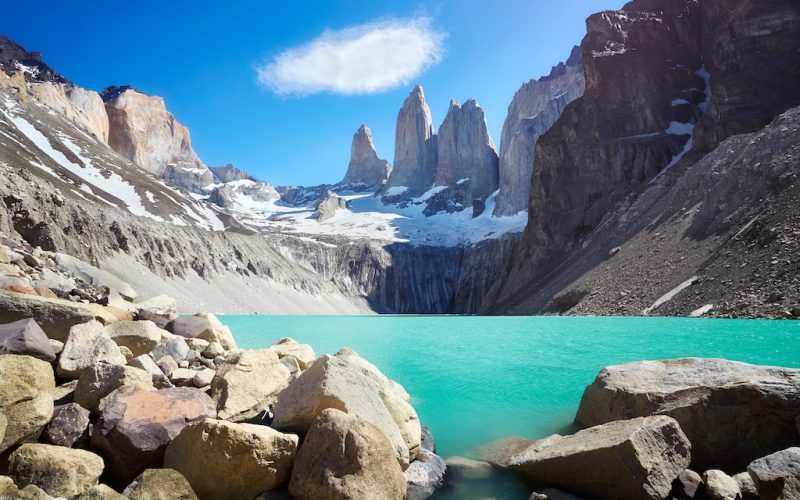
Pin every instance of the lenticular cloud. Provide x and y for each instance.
(363, 59)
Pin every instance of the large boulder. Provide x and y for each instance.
(26, 396)
(424, 476)
(225, 460)
(247, 384)
(345, 457)
(87, 345)
(747, 486)
(777, 476)
(203, 326)
(70, 425)
(637, 458)
(134, 428)
(26, 337)
(97, 383)
(176, 348)
(720, 486)
(162, 305)
(340, 383)
(59, 471)
(140, 337)
(55, 316)
(160, 484)
(303, 353)
(731, 412)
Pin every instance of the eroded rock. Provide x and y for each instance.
(26, 396)
(60, 471)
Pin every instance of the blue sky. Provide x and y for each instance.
(203, 56)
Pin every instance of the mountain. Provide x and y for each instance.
(229, 173)
(365, 168)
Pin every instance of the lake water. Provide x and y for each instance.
(477, 379)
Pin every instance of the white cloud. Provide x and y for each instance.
(363, 59)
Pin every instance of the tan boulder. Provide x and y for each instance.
(720, 486)
(637, 458)
(248, 383)
(162, 305)
(60, 471)
(303, 353)
(345, 457)
(97, 383)
(335, 382)
(160, 484)
(55, 316)
(140, 337)
(27, 385)
(225, 460)
(87, 344)
(9, 490)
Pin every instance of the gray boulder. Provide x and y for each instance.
(777, 476)
(87, 345)
(176, 348)
(720, 486)
(328, 205)
(247, 384)
(99, 382)
(425, 476)
(747, 486)
(26, 337)
(140, 337)
(54, 316)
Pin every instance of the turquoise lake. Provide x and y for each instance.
(477, 379)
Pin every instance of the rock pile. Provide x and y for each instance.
(160, 406)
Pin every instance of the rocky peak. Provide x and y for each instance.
(143, 131)
(466, 153)
(536, 106)
(113, 91)
(415, 146)
(14, 58)
(229, 173)
(365, 166)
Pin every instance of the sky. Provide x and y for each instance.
(279, 88)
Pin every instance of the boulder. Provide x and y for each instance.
(159, 320)
(248, 383)
(720, 486)
(213, 350)
(9, 490)
(424, 476)
(27, 338)
(467, 468)
(146, 363)
(26, 396)
(303, 353)
(328, 205)
(225, 460)
(54, 316)
(198, 345)
(87, 345)
(101, 380)
(637, 458)
(160, 484)
(176, 348)
(140, 337)
(70, 425)
(203, 377)
(134, 429)
(167, 365)
(65, 393)
(59, 471)
(161, 305)
(777, 476)
(369, 370)
(100, 492)
(344, 456)
(57, 346)
(500, 452)
(182, 377)
(747, 486)
(217, 332)
(339, 382)
(687, 485)
(203, 326)
(731, 412)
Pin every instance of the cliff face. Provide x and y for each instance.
(415, 148)
(143, 131)
(633, 129)
(83, 107)
(466, 152)
(365, 167)
(229, 173)
(536, 106)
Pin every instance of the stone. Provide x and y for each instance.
(135, 428)
(720, 486)
(637, 458)
(371, 371)
(746, 410)
(160, 484)
(415, 149)
(288, 347)
(69, 426)
(203, 326)
(26, 337)
(747, 486)
(3, 426)
(54, 316)
(248, 383)
(167, 365)
(182, 377)
(103, 379)
(59, 471)
(146, 363)
(161, 305)
(87, 345)
(203, 377)
(466, 153)
(9, 490)
(467, 468)
(127, 353)
(64, 393)
(213, 350)
(500, 452)
(293, 367)
(365, 170)
(424, 476)
(227, 460)
(176, 348)
(344, 456)
(159, 320)
(333, 382)
(218, 332)
(686, 486)
(26, 397)
(328, 205)
(777, 476)
(140, 337)
(57, 346)
(100, 492)
(198, 345)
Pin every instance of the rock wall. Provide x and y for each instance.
(83, 107)
(365, 167)
(536, 106)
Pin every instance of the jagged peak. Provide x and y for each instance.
(418, 90)
(15, 58)
(113, 91)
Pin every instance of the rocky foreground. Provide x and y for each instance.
(102, 397)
